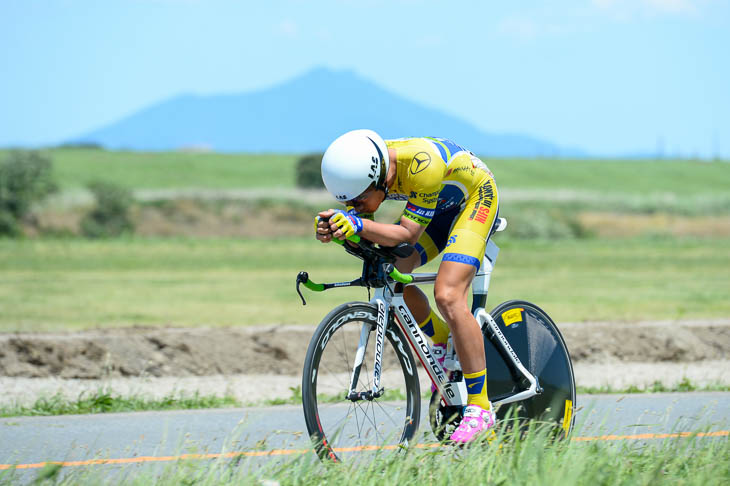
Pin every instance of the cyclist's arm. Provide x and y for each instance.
(382, 233)
(391, 234)
(416, 216)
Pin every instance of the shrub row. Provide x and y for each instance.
(26, 178)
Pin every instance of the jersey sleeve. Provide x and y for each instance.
(427, 174)
(370, 216)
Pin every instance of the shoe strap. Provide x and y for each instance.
(473, 411)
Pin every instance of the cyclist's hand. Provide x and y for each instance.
(322, 229)
(345, 224)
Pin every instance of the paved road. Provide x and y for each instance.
(127, 436)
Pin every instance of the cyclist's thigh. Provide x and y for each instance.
(468, 237)
(434, 239)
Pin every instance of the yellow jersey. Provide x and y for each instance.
(434, 175)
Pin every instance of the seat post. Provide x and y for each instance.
(480, 284)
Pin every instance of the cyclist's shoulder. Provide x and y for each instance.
(420, 164)
(406, 148)
(447, 148)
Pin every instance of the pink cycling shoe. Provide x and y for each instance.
(439, 352)
(476, 421)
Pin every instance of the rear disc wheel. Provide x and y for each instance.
(541, 348)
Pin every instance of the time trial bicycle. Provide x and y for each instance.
(351, 407)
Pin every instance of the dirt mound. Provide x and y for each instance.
(280, 350)
(648, 342)
(154, 352)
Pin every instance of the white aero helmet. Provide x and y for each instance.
(353, 162)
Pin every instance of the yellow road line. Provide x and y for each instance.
(719, 433)
(287, 452)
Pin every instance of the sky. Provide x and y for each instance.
(611, 77)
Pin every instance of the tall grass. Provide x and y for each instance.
(507, 460)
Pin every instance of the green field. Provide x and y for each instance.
(74, 168)
(554, 258)
(58, 284)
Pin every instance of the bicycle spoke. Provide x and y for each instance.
(371, 420)
(366, 417)
(361, 422)
(386, 413)
(359, 425)
(335, 376)
(349, 410)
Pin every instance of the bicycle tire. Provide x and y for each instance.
(366, 425)
(542, 350)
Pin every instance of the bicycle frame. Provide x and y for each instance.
(389, 299)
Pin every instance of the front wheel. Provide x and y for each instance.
(341, 428)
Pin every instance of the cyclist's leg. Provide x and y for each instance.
(460, 262)
(429, 245)
(429, 321)
(415, 299)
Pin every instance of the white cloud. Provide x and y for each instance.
(177, 2)
(429, 41)
(324, 35)
(526, 27)
(539, 22)
(287, 28)
(631, 8)
(520, 27)
(673, 6)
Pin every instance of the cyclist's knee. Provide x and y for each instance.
(450, 301)
(407, 264)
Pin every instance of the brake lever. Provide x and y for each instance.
(301, 278)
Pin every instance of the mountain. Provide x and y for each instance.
(301, 115)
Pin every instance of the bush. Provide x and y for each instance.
(110, 216)
(309, 174)
(25, 179)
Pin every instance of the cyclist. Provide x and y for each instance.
(451, 205)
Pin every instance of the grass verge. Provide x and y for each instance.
(657, 387)
(398, 395)
(104, 401)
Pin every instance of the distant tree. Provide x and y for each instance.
(25, 179)
(308, 172)
(110, 215)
